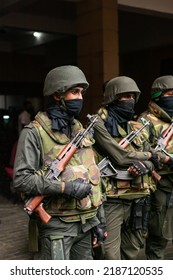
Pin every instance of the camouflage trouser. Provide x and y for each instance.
(66, 247)
(156, 243)
(122, 242)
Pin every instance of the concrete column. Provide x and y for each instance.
(97, 42)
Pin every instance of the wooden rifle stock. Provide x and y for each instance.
(56, 168)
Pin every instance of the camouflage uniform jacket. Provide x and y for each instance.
(159, 122)
(122, 158)
(38, 146)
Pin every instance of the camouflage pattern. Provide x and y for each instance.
(160, 121)
(81, 165)
(131, 189)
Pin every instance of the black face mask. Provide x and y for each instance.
(119, 113)
(125, 108)
(166, 103)
(74, 106)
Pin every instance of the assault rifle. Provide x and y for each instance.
(105, 166)
(163, 140)
(35, 204)
(130, 137)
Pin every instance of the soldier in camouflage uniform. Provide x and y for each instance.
(127, 201)
(73, 200)
(160, 114)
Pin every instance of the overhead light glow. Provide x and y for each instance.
(6, 117)
(37, 34)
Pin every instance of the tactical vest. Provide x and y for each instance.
(81, 165)
(128, 189)
(160, 122)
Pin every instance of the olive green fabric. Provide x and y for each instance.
(122, 242)
(155, 247)
(56, 247)
(156, 243)
(167, 229)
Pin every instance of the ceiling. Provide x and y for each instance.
(56, 19)
(19, 19)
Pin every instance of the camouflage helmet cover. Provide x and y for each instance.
(160, 85)
(117, 86)
(62, 78)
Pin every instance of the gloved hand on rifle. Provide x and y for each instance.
(77, 188)
(155, 159)
(138, 168)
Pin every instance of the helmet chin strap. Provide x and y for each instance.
(62, 102)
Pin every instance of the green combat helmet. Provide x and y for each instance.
(62, 78)
(161, 85)
(117, 86)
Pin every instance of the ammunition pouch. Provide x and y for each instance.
(140, 214)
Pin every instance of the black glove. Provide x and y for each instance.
(170, 163)
(155, 159)
(138, 168)
(100, 232)
(77, 188)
